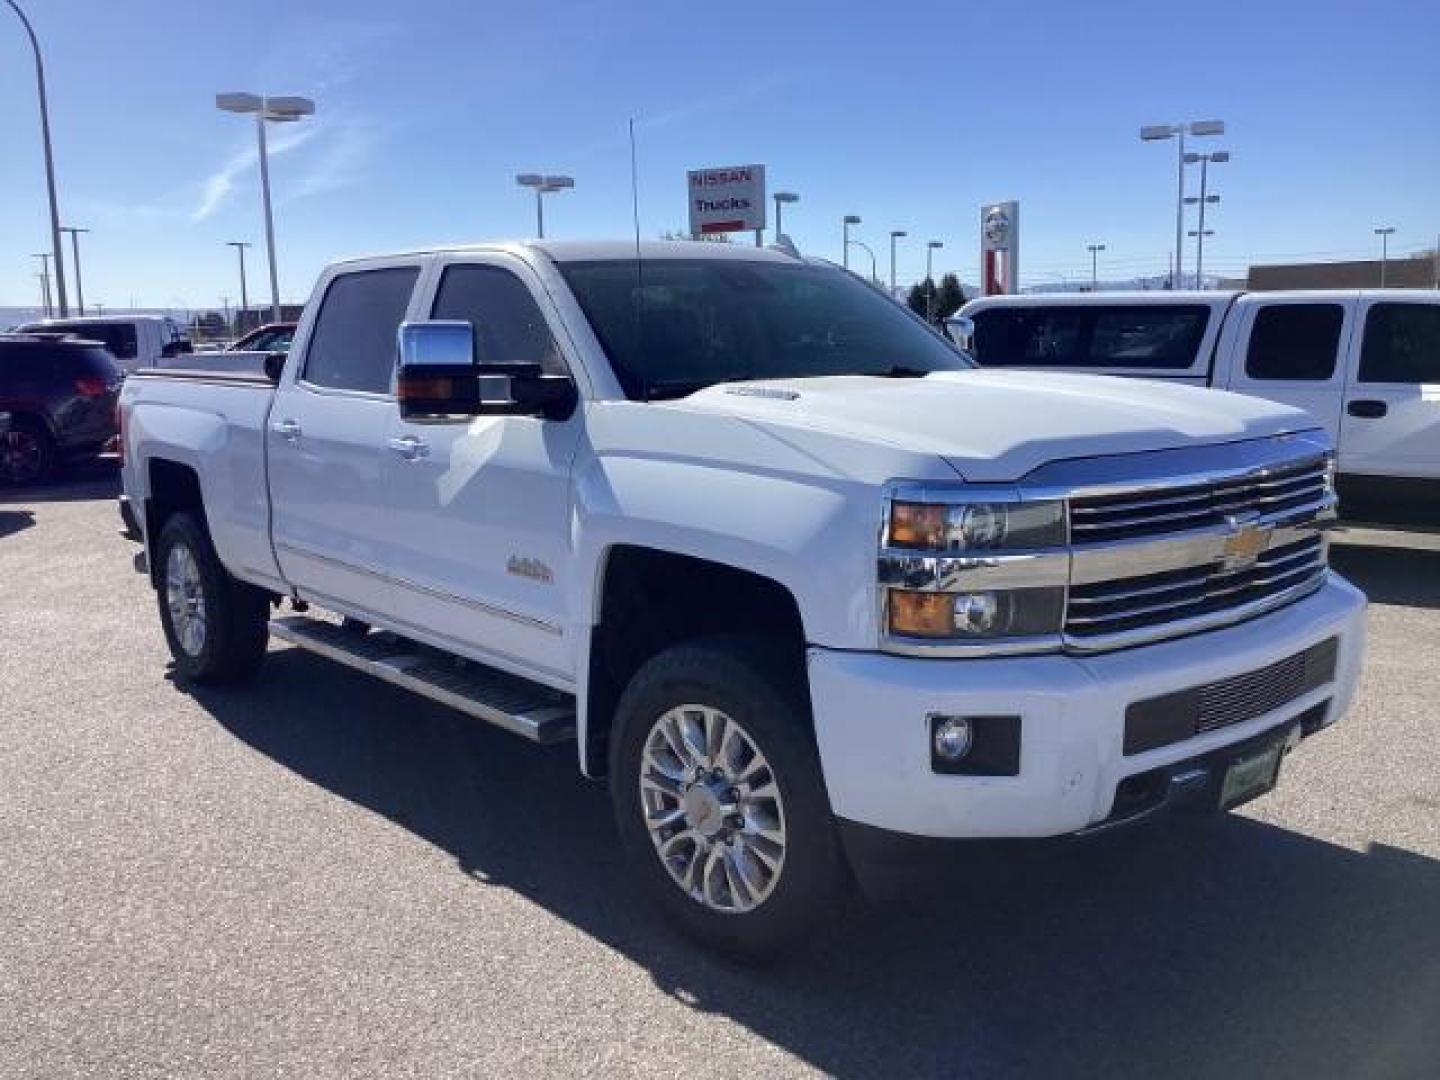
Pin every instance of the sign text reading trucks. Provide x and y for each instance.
(727, 200)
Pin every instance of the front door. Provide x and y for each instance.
(479, 523)
(1291, 351)
(326, 440)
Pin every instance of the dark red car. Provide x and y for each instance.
(60, 394)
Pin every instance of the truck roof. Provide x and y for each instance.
(563, 251)
(1191, 296)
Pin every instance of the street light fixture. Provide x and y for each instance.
(240, 246)
(280, 110)
(1094, 250)
(895, 234)
(931, 246)
(1384, 232)
(850, 219)
(49, 161)
(543, 186)
(75, 257)
(1219, 157)
(1160, 132)
(781, 198)
(874, 271)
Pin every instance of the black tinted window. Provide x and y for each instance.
(118, 337)
(1402, 344)
(1141, 336)
(353, 346)
(509, 328)
(1294, 342)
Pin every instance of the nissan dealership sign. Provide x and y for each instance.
(727, 200)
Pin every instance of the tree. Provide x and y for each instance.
(918, 300)
(950, 298)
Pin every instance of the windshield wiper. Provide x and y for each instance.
(900, 371)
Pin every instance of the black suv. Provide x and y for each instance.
(61, 396)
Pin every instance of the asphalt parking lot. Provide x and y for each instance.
(320, 876)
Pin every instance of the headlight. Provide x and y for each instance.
(975, 615)
(964, 568)
(976, 526)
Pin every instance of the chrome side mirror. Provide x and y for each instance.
(960, 330)
(438, 379)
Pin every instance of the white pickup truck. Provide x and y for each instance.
(797, 579)
(1364, 362)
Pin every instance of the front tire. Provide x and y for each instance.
(217, 627)
(719, 799)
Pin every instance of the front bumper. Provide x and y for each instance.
(871, 721)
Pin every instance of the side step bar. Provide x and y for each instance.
(518, 705)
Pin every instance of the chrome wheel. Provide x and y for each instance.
(712, 808)
(185, 597)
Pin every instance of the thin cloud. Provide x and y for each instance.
(218, 185)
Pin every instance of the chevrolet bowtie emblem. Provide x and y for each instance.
(1247, 539)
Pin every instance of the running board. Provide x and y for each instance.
(518, 705)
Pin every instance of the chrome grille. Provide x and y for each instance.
(1280, 491)
(1121, 605)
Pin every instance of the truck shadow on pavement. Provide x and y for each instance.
(1233, 947)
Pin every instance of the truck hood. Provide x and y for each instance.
(992, 425)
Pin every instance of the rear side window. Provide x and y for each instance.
(353, 345)
(1137, 336)
(1294, 342)
(509, 328)
(118, 337)
(1402, 344)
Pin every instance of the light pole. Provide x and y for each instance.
(1094, 250)
(44, 276)
(1203, 200)
(849, 219)
(1160, 132)
(49, 160)
(240, 246)
(281, 110)
(543, 186)
(874, 267)
(930, 248)
(781, 198)
(1384, 232)
(895, 234)
(75, 257)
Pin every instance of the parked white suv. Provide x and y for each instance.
(1364, 363)
(136, 341)
(795, 577)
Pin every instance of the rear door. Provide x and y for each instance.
(326, 439)
(479, 521)
(1292, 350)
(1391, 425)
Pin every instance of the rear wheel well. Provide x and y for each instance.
(173, 488)
(651, 600)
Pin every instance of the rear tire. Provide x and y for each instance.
(217, 627)
(751, 857)
(27, 453)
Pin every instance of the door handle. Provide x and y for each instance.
(1370, 410)
(289, 430)
(409, 447)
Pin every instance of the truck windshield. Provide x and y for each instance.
(674, 326)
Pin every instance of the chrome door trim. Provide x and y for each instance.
(439, 594)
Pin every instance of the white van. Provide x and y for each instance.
(1366, 363)
(136, 341)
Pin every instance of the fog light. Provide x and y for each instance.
(953, 737)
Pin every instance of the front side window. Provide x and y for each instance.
(1402, 344)
(1294, 342)
(674, 326)
(509, 328)
(1138, 336)
(353, 345)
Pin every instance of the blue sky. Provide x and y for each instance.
(908, 115)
